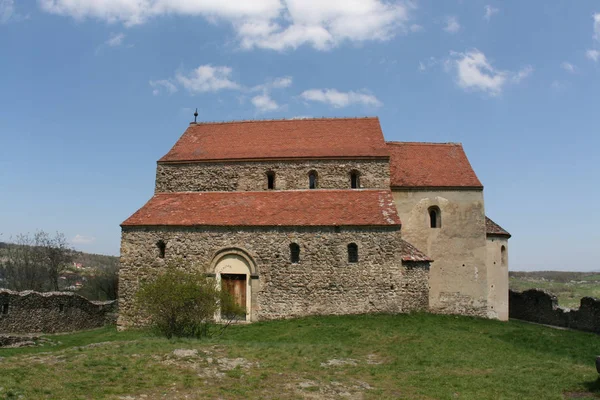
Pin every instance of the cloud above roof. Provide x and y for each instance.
(338, 99)
(474, 72)
(271, 24)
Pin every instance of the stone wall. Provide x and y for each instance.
(251, 176)
(27, 312)
(497, 272)
(322, 282)
(542, 307)
(458, 275)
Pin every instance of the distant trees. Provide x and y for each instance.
(104, 283)
(35, 262)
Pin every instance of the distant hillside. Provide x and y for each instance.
(90, 260)
(568, 287)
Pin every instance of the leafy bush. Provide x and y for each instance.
(181, 303)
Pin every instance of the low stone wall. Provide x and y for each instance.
(542, 307)
(26, 312)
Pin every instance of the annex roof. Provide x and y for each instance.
(493, 229)
(269, 208)
(430, 165)
(280, 139)
(409, 252)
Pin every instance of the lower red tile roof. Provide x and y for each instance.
(492, 228)
(269, 208)
(430, 165)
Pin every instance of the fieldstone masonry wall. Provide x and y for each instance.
(251, 176)
(323, 282)
(542, 307)
(27, 312)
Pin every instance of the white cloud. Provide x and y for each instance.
(567, 66)
(489, 12)
(522, 74)
(416, 28)
(7, 10)
(270, 24)
(424, 65)
(207, 78)
(452, 25)
(163, 84)
(593, 55)
(474, 72)
(339, 99)
(277, 83)
(597, 26)
(264, 103)
(80, 239)
(115, 40)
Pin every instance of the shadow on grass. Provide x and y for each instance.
(593, 386)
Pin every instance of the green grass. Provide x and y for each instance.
(417, 356)
(568, 287)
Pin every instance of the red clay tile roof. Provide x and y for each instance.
(430, 165)
(302, 138)
(411, 253)
(492, 228)
(272, 208)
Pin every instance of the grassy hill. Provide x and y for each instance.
(568, 287)
(418, 356)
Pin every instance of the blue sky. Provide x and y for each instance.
(92, 93)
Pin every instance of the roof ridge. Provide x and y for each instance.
(244, 121)
(424, 143)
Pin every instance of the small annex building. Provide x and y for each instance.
(319, 216)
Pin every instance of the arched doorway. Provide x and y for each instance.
(234, 271)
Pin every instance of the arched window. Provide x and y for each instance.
(271, 180)
(294, 253)
(313, 180)
(435, 217)
(354, 179)
(162, 247)
(503, 255)
(352, 253)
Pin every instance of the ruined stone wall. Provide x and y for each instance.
(323, 282)
(458, 275)
(497, 268)
(542, 307)
(251, 175)
(27, 312)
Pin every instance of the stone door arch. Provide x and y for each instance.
(235, 271)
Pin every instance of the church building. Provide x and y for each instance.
(319, 216)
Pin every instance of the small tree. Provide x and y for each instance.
(181, 303)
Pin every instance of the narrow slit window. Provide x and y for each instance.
(4, 309)
(295, 253)
(162, 247)
(61, 307)
(271, 180)
(503, 255)
(354, 180)
(312, 180)
(352, 253)
(435, 217)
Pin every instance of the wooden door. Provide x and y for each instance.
(235, 284)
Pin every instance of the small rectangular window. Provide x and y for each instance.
(352, 253)
(4, 309)
(271, 180)
(61, 307)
